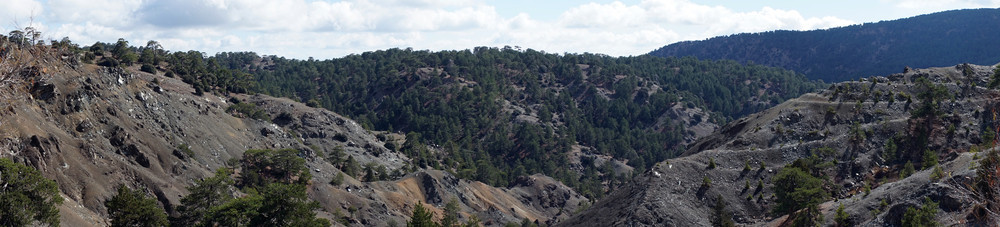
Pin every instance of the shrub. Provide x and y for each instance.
(88, 58)
(250, 110)
(930, 159)
(842, 218)
(337, 180)
(186, 149)
(313, 103)
(109, 62)
(711, 163)
(907, 170)
(133, 208)
(148, 68)
(937, 174)
(924, 216)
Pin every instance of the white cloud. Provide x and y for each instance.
(938, 5)
(324, 29)
(635, 28)
(770, 19)
(107, 13)
(616, 14)
(17, 14)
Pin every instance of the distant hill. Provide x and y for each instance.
(838, 54)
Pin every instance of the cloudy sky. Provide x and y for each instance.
(329, 29)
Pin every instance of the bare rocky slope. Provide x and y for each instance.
(856, 119)
(92, 128)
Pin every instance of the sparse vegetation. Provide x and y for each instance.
(923, 216)
(184, 148)
(337, 180)
(250, 110)
(995, 78)
(931, 95)
(937, 174)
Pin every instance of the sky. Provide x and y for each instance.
(326, 29)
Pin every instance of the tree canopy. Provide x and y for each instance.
(27, 197)
(134, 208)
(274, 183)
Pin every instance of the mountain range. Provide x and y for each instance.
(863, 50)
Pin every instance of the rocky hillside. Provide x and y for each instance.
(91, 128)
(858, 51)
(863, 138)
(501, 113)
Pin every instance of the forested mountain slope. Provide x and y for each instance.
(907, 149)
(857, 51)
(203, 158)
(500, 113)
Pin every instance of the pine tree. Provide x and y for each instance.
(719, 215)
(133, 208)
(842, 218)
(450, 214)
(205, 194)
(421, 217)
(27, 197)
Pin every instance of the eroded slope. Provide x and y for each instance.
(848, 126)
